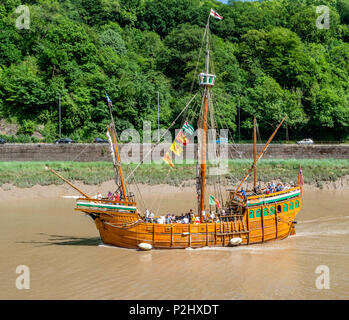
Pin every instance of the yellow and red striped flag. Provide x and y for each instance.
(168, 160)
(176, 148)
(181, 138)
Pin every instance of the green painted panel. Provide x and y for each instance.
(251, 214)
(258, 213)
(275, 200)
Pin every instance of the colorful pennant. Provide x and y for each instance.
(188, 128)
(181, 138)
(215, 14)
(214, 202)
(176, 148)
(168, 160)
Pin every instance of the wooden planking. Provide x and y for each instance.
(255, 230)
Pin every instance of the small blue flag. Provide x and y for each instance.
(109, 101)
(222, 140)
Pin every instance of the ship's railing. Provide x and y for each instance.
(264, 195)
(244, 198)
(107, 201)
(106, 205)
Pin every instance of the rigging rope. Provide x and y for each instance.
(156, 144)
(221, 120)
(198, 61)
(134, 179)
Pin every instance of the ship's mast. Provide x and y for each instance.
(260, 155)
(255, 152)
(117, 163)
(206, 80)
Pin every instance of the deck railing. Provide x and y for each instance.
(242, 198)
(107, 201)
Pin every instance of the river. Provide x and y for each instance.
(67, 260)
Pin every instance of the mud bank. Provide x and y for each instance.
(9, 192)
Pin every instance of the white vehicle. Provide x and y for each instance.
(305, 141)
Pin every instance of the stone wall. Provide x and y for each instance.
(134, 153)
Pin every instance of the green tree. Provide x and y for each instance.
(270, 103)
(162, 16)
(343, 9)
(23, 92)
(113, 39)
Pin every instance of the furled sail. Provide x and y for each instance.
(112, 150)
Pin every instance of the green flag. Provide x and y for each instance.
(212, 201)
(188, 128)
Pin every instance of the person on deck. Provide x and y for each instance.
(191, 216)
(257, 189)
(147, 214)
(212, 216)
(151, 217)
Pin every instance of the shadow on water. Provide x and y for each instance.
(59, 240)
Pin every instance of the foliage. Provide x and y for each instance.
(269, 58)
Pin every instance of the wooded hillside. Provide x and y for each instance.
(269, 55)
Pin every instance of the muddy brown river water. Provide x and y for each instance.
(67, 260)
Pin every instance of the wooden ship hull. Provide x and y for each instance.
(257, 223)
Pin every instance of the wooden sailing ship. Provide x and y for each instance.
(247, 217)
